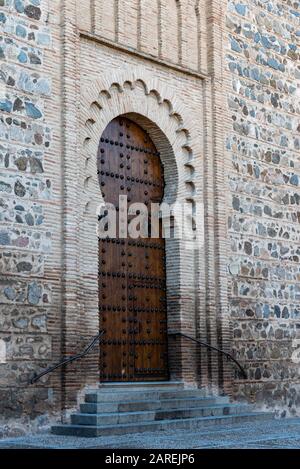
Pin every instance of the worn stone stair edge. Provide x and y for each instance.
(139, 384)
(172, 409)
(142, 427)
(221, 400)
(95, 396)
(126, 418)
(146, 391)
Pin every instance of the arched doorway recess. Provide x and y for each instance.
(155, 108)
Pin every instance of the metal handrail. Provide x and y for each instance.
(65, 361)
(97, 338)
(211, 347)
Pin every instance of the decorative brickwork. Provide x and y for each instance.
(138, 95)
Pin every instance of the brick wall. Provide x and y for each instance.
(173, 30)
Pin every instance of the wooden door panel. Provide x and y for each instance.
(132, 293)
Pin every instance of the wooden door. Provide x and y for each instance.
(132, 286)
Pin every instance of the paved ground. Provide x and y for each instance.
(262, 435)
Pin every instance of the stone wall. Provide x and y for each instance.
(30, 211)
(263, 172)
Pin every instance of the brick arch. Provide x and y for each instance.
(105, 99)
(150, 104)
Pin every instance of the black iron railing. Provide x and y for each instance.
(98, 337)
(66, 361)
(215, 349)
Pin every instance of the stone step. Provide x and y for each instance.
(205, 411)
(131, 395)
(193, 402)
(145, 416)
(144, 405)
(141, 385)
(188, 423)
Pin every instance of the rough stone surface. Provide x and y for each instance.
(26, 231)
(263, 146)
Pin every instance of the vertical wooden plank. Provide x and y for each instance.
(132, 286)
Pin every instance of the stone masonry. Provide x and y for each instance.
(264, 149)
(216, 84)
(29, 236)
